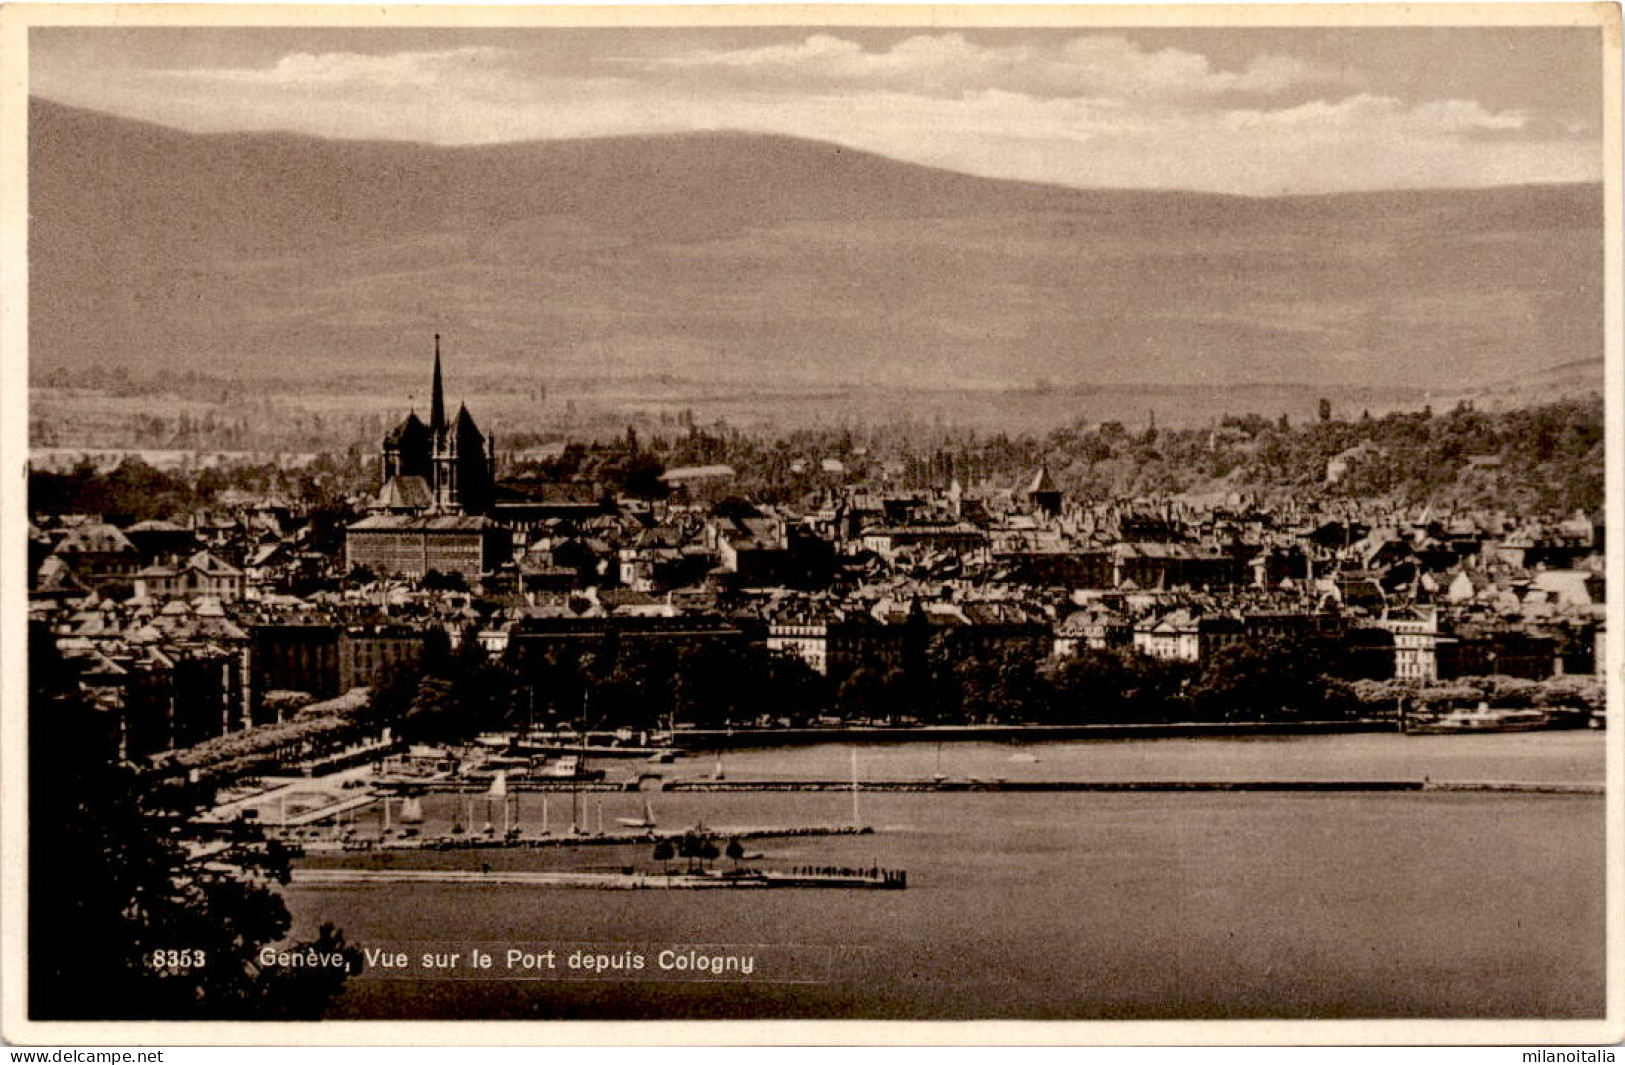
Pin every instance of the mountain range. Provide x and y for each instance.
(744, 257)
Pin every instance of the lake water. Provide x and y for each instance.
(1058, 906)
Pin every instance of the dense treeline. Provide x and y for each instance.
(651, 685)
(134, 490)
(1538, 459)
(631, 684)
(1545, 458)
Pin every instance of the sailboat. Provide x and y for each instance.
(1021, 754)
(411, 810)
(498, 792)
(646, 821)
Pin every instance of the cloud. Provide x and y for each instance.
(949, 64)
(301, 69)
(1362, 142)
(1086, 110)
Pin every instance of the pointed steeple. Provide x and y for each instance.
(437, 407)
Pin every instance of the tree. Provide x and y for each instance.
(1260, 681)
(664, 852)
(124, 922)
(689, 846)
(637, 475)
(432, 715)
(393, 696)
(873, 691)
(735, 851)
(1107, 685)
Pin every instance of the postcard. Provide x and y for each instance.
(821, 524)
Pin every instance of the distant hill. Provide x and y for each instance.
(1538, 384)
(740, 257)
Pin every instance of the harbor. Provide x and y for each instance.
(472, 804)
(1086, 902)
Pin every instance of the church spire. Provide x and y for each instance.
(437, 409)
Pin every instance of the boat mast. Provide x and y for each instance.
(855, 821)
(575, 780)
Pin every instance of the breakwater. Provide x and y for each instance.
(977, 784)
(514, 783)
(481, 841)
(973, 785)
(882, 879)
(714, 739)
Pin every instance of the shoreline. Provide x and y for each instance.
(976, 785)
(723, 739)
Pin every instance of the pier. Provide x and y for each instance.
(982, 785)
(871, 879)
(409, 785)
(482, 841)
(692, 740)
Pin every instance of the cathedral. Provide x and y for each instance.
(445, 466)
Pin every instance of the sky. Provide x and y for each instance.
(1251, 111)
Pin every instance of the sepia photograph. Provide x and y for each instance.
(827, 515)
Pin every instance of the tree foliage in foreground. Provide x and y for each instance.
(127, 923)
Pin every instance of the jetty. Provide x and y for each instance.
(692, 740)
(863, 879)
(493, 841)
(974, 784)
(397, 785)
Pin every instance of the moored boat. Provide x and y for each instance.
(568, 767)
(1483, 719)
(646, 821)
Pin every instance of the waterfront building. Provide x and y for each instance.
(1095, 628)
(806, 638)
(299, 658)
(1416, 638)
(1175, 636)
(532, 639)
(1481, 650)
(156, 698)
(371, 655)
